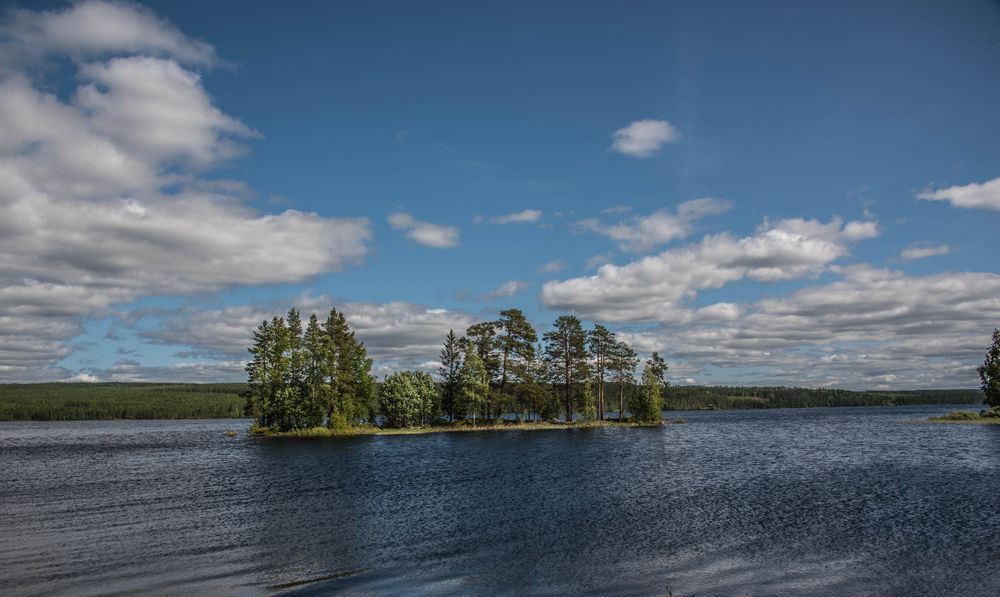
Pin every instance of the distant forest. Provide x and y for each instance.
(99, 401)
(102, 401)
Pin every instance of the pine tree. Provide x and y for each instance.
(516, 345)
(566, 355)
(622, 363)
(535, 390)
(481, 337)
(601, 341)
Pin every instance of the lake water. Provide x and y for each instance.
(845, 501)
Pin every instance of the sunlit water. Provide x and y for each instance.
(784, 502)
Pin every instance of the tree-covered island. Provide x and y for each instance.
(315, 378)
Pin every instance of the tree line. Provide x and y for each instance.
(110, 400)
(306, 376)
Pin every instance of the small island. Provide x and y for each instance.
(314, 379)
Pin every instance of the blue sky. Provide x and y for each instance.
(793, 193)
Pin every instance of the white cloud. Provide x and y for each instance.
(872, 328)
(82, 378)
(425, 233)
(156, 109)
(552, 266)
(718, 312)
(641, 233)
(507, 289)
(920, 251)
(644, 138)
(398, 335)
(95, 28)
(655, 288)
(102, 195)
(528, 215)
(971, 196)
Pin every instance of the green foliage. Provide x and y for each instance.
(648, 406)
(474, 385)
(989, 373)
(549, 406)
(408, 398)
(991, 413)
(516, 344)
(299, 377)
(588, 411)
(97, 401)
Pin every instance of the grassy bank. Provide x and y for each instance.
(985, 417)
(453, 428)
(97, 401)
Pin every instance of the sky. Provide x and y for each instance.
(767, 193)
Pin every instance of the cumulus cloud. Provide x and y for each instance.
(527, 215)
(641, 233)
(97, 28)
(155, 108)
(655, 288)
(921, 251)
(871, 328)
(431, 235)
(970, 196)
(104, 192)
(397, 335)
(644, 138)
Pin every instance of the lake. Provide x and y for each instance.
(827, 501)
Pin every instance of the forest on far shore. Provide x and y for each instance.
(132, 400)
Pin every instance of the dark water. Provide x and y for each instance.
(789, 502)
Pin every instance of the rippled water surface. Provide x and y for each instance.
(785, 502)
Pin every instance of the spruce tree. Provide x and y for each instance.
(451, 363)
